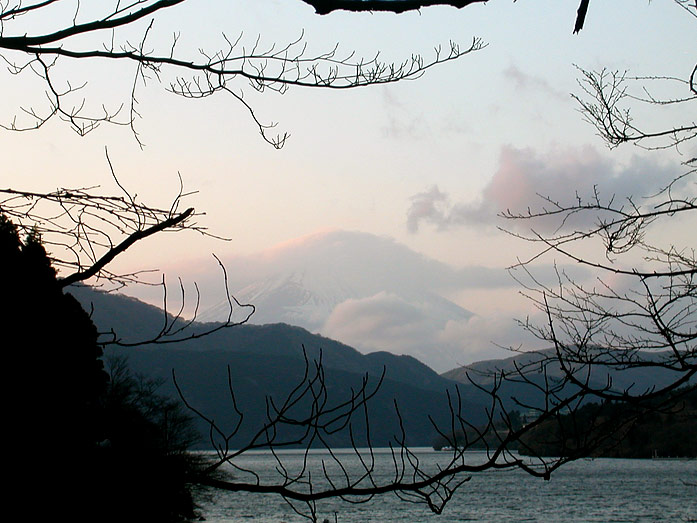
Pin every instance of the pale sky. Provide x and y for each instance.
(427, 163)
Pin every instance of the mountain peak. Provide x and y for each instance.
(364, 290)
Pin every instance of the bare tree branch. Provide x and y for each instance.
(324, 7)
(648, 318)
(225, 69)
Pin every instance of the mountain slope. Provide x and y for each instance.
(267, 360)
(638, 380)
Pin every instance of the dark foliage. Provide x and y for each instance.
(56, 376)
(144, 465)
(663, 427)
(87, 446)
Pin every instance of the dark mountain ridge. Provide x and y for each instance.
(269, 361)
(636, 379)
(541, 368)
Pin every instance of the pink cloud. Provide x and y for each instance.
(525, 178)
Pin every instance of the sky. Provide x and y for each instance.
(427, 163)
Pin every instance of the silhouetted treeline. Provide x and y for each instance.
(80, 444)
(664, 427)
(55, 377)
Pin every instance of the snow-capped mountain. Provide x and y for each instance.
(296, 298)
(367, 291)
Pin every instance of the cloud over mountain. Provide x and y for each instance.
(367, 291)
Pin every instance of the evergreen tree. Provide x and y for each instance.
(84, 446)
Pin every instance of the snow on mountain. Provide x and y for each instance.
(367, 291)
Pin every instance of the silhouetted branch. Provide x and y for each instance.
(225, 69)
(125, 244)
(84, 230)
(176, 329)
(307, 416)
(581, 16)
(640, 312)
(605, 94)
(324, 7)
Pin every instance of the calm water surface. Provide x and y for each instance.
(611, 490)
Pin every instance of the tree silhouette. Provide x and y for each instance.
(144, 465)
(107, 447)
(56, 343)
(640, 311)
(53, 368)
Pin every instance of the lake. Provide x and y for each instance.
(608, 490)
